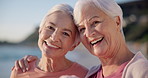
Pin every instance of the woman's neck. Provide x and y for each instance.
(54, 65)
(122, 55)
(119, 55)
(118, 58)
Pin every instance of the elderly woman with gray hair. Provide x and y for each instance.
(100, 27)
(57, 36)
(99, 23)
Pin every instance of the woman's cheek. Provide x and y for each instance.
(44, 35)
(84, 41)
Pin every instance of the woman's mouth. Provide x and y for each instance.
(51, 45)
(96, 41)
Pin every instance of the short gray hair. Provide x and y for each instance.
(60, 8)
(110, 7)
(57, 8)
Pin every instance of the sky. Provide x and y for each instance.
(19, 18)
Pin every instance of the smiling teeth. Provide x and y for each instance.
(93, 42)
(52, 45)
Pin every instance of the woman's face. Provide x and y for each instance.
(98, 32)
(57, 35)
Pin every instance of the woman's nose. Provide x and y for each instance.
(54, 36)
(89, 32)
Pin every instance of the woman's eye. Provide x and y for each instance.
(51, 28)
(65, 33)
(96, 22)
(81, 30)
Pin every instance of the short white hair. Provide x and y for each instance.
(60, 8)
(57, 8)
(109, 7)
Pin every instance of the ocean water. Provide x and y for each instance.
(10, 53)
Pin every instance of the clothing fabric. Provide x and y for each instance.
(117, 74)
(75, 71)
(137, 67)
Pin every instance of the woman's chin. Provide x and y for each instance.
(99, 52)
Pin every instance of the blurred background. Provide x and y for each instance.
(19, 22)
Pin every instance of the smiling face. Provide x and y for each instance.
(98, 31)
(57, 36)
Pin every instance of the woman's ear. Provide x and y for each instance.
(40, 29)
(74, 46)
(76, 43)
(77, 40)
(118, 22)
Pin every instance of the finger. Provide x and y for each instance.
(12, 67)
(17, 65)
(32, 58)
(26, 63)
(22, 65)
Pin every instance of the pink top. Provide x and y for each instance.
(117, 74)
(75, 71)
(131, 70)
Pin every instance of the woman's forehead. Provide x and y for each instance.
(61, 19)
(90, 13)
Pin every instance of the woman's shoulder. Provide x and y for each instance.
(138, 60)
(137, 67)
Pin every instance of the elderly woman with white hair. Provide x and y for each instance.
(57, 36)
(100, 26)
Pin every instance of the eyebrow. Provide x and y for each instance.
(52, 23)
(93, 17)
(89, 20)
